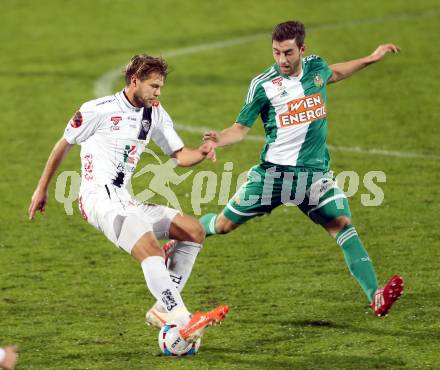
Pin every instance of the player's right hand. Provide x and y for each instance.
(38, 202)
(208, 150)
(381, 50)
(211, 136)
(10, 358)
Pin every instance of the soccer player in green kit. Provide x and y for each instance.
(290, 96)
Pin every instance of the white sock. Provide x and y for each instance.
(162, 288)
(180, 264)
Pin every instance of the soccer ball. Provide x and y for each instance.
(171, 342)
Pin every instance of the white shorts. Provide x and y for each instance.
(121, 218)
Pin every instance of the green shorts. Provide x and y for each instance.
(268, 186)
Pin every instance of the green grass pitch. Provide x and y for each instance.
(71, 300)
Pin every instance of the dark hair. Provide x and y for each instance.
(143, 65)
(289, 30)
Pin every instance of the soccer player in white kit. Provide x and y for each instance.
(113, 131)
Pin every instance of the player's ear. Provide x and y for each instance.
(302, 49)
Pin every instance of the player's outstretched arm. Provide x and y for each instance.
(39, 198)
(187, 157)
(228, 136)
(346, 69)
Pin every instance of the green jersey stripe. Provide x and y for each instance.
(324, 202)
(256, 81)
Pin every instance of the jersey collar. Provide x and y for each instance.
(125, 103)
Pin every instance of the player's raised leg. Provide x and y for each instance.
(243, 206)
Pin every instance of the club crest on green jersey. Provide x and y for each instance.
(318, 81)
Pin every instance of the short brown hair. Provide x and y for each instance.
(143, 65)
(288, 31)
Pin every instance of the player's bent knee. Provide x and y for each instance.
(224, 225)
(146, 246)
(197, 234)
(187, 228)
(194, 229)
(337, 224)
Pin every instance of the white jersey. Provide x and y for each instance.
(113, 134)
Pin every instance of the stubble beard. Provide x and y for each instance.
(139, 101)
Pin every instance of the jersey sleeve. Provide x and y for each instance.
(327, 70)
(165, 136)
(315, 64)
(324, 67)
(253, 105)
(81, 126)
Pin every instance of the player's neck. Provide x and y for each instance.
(297, 71)
(129, 95)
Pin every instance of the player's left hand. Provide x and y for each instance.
(208, 150)
(381, 50)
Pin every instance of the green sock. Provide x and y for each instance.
(208, 223)
(357, 260)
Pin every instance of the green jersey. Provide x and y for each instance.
(293, 111)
